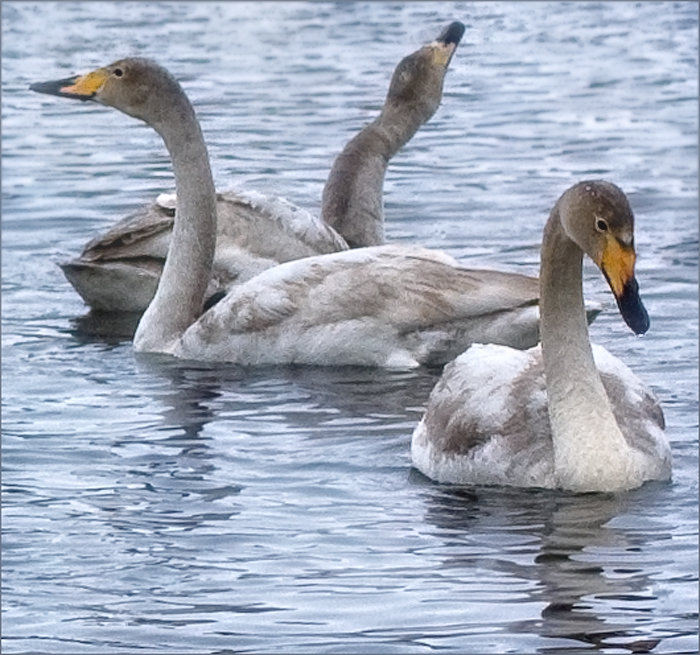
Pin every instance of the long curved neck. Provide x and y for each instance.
(590, 452)
(183, 283)
(353, 197)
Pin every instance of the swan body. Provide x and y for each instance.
(119, 269)
(564, 414)
(391, 306)
(386, 305)
(496, 437)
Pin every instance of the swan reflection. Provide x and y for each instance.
(559, 550)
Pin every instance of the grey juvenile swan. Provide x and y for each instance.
(353, 195)
(119, 269)
(387, 305)
(580, 420)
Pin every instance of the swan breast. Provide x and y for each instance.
(487, 420)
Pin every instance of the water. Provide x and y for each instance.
(156, 506)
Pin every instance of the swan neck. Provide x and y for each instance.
(353, 198)
(399, 126)
(563, 318)
(589, 448)
(180, 293)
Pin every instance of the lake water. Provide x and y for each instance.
(155, 506)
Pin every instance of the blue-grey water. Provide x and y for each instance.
(156, 506)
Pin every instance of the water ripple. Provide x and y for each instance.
(160, 506)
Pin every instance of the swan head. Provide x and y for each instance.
(134, 85)
(597, 216)
(418, 79)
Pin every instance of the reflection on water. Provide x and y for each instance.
(165, 506)
(569, 582)
(108, 327)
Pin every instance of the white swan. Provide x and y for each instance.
(382, 305)
(581, 420)
(119, 269)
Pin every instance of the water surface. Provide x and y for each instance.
(158, 506)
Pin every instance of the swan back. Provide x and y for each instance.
(383, 306)
(119, 270)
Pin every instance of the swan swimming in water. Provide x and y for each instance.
(119, 269)
(387, 305)
(352, 200)
(564, 414)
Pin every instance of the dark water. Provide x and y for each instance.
(156, 506)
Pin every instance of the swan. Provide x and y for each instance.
(119, 269)
(385, 305)
(564, 414)
(352, 197)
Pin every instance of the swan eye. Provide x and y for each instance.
(601, 225)
(118, 72)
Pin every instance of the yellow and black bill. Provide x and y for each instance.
(618, 267)
(80, 87)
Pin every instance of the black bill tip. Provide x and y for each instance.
(55, 88)
(632, 309)
(452, 34)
